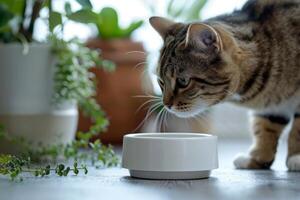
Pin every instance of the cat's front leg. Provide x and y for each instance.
(293, 158)
(266, 131)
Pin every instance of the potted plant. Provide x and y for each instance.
(42, 83)
(119, 88)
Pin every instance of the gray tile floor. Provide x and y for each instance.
(225, 183)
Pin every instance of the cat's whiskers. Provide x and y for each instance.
(139, 64)
(147, 96)
(167, 119)
(201, 119)
(151, 109)
(160, 120)
(141, 52)
(229, 92)
(165, 122)
(145, 69)
(145, 103)
(156, 121)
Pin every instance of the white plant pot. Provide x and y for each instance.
(26, 90)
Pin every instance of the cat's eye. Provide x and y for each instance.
(183, 82)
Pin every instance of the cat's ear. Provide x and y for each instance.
(202, 37)
(161, 25)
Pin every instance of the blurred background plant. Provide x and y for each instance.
(180, 10)
(73, 80)
(116, 89)
(106, 21)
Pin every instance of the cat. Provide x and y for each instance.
(250, 57)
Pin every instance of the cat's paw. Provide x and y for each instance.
(293, 163)
(242, 161)
(247, 162)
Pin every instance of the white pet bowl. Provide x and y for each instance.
(170, 155)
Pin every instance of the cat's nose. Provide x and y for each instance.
(168, 102)
(168, 105)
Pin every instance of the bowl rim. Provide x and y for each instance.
(176, 136)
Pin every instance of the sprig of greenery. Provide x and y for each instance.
(80, 150)
(75, 82)
(74, 60)
(13, 166)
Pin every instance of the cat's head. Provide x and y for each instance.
(195, 69)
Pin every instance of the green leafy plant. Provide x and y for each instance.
(16, 23)
(73, 82)
(106, 21)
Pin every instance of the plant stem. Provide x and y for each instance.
(34, 15)
(28, 170)
(50, 6)
(21, 25)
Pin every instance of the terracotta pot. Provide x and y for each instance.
(116, 91)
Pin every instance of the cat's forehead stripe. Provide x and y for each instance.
(167, 52)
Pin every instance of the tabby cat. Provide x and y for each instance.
(250, 57)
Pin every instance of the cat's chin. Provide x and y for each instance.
(187, 114)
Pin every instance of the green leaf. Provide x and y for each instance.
(85, 3)
(107, 65)
(84, 16)
(132, 27)
(61, 167)
(5, 16)
(85, 170)
(68, 8)
(55, 19)
(169, 6)
(76, 171)
(108, 25)
(14, 6)
(47, 4)
(66, 171)
(195, 9)
(176, 8)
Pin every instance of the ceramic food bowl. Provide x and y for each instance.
(170, 155)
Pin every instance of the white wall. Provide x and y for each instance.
(230, 121)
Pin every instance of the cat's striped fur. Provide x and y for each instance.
(250, 57)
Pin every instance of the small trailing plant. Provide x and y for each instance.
(12, 166)
(73, 82)
(78, 151)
